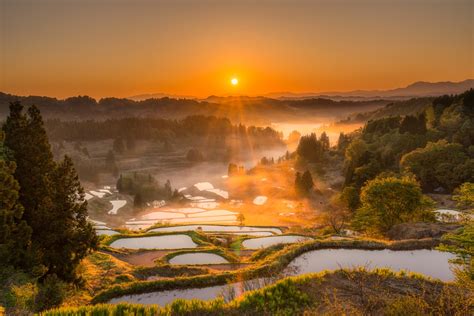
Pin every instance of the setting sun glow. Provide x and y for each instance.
(234, 81)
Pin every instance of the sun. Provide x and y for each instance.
(234, 81)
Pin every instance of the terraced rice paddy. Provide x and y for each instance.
(106, 232)
(182, 215)
(264, 242)
(219, 229)
(155, 242)
(198, 258)
(431, 263)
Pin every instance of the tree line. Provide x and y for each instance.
(127, 130)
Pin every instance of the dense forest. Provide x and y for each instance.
(393, 161)
(436, 146)
(159, 130)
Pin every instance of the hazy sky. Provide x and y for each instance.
(122, 48)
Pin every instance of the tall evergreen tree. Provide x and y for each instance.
(51, 195)
(28, 141)
(298, 182)
(324, 139)
(15, 234)
(70, 244)
(307, 181)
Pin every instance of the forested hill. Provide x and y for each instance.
(254, 110)
(436, 146)
(399, 108)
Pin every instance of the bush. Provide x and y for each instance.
(51, 293)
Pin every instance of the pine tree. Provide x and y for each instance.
(120, 184)
(51, 195)
(28, 141)
(118, 145)
(68, 245)
(307, 181)
(138, 201)
(298, 186)
(15, 234)
(168, 189)
(324, 139)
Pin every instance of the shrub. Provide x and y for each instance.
(51, 293)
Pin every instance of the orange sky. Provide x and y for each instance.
(124, 47)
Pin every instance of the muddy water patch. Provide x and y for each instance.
(155, 242)
(165, 297)
(431, 263)
(218, 228)
(105, 232)
(264, 242)
(198, 258)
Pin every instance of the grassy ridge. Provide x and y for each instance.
(271, 264)
(376, 292)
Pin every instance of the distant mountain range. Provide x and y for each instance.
(260, 110)
(417, 89)
(414, 90)
(147, 96)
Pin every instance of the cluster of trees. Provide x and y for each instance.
(120, 145)
(43, 215)
(194, 155)
(343, 141)
(303, 183)
(235, 170)
(436, 146)
(127, 131)
(145, 188)
(267, 161)
(440, 165)
(312, 149)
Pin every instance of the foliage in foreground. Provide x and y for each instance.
(461, 242)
